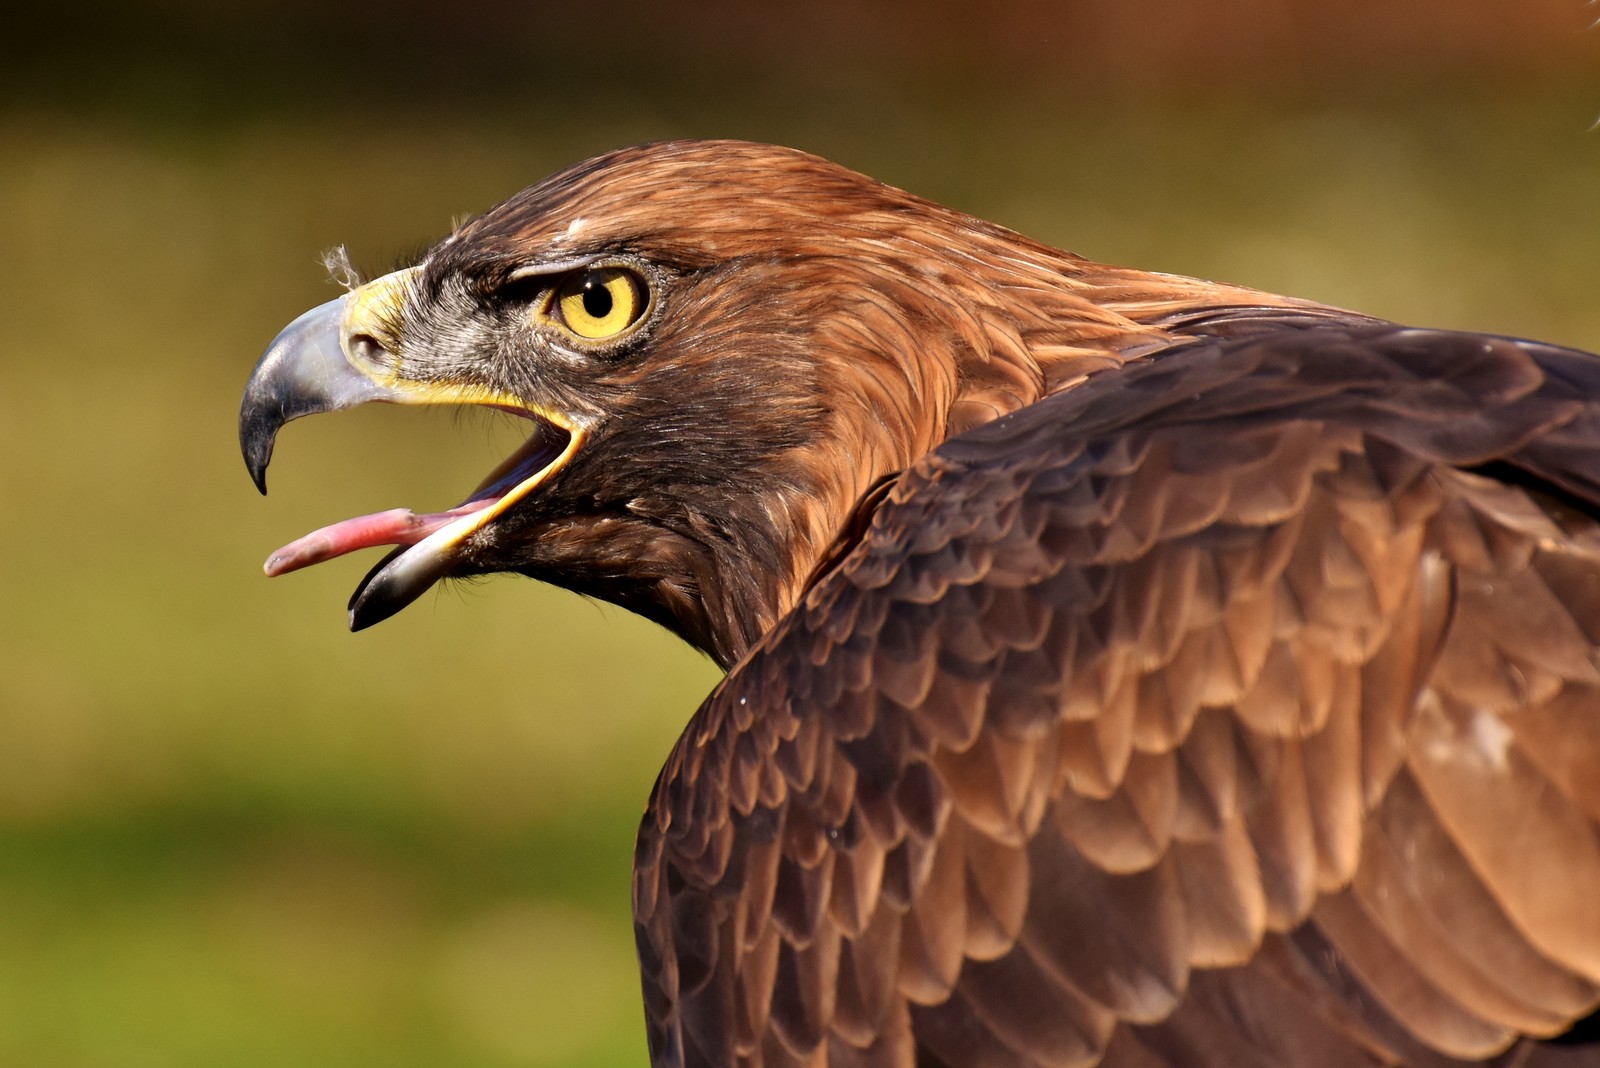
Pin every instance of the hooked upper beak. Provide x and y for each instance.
(335, 356)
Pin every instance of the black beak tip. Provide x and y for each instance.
(368, 612)
(257, 431)
(375, 601)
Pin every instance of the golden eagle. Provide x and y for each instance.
(1123, 669)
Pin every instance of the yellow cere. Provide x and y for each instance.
(376, 308)
(599, 303)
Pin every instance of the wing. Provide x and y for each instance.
(1237, 708)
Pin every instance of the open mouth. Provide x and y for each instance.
(428, 544)
(513, 478)
(319, 364)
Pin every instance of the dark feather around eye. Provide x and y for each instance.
(522, 291)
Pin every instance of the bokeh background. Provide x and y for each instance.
(232, 833)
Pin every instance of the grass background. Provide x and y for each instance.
(233, 834)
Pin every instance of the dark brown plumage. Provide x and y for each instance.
(1125, 669)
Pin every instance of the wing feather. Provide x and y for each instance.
(1240, 707)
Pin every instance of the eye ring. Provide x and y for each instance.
(598, 304)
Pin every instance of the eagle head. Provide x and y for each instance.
(719, 348)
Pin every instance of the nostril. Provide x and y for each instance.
(366, 349)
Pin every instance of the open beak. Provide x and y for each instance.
(342, 354)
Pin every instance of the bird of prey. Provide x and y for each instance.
(1123, 669)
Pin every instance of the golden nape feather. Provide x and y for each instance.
(1124, 669)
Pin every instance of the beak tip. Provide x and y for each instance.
(385, 590)
(367, 613)
(257, 432)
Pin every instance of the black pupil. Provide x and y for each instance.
(596, 298)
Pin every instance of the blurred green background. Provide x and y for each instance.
(233, 834)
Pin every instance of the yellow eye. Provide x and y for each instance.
(600, 303)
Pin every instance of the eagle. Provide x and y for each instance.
(1123, 669)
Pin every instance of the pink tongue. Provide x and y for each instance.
(397, 526)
